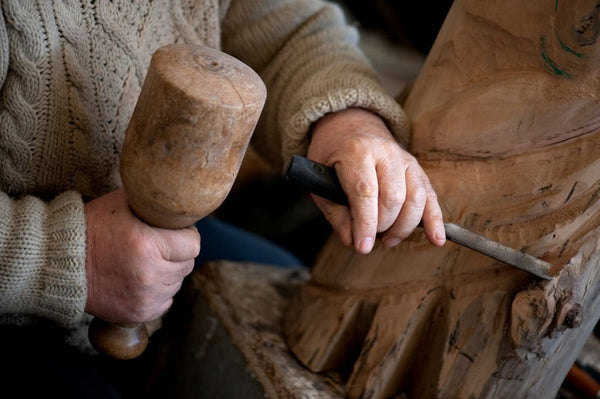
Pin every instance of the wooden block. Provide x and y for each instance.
(246, 303)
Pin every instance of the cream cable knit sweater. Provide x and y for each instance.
(70, 74)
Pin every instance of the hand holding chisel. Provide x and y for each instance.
(323, 181)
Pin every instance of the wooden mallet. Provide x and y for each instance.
(182, 151)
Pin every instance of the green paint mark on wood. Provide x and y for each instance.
(550, 65)
(569, 49)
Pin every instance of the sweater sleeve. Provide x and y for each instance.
(309, 58)
(42, 262)
(3, 50)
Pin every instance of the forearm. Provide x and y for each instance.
(312, 65)
(42, 263)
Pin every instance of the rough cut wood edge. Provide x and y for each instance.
(542, 361)
(527, 355)
(249, 300)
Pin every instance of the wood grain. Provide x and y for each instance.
(506, 122)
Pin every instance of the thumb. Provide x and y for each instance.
(178, 245)
(338, 216)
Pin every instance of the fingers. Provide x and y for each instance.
(338, 216)
(433, 220)
(360, 183)
(178, 245)
(388, 191)
(152, 294)
(412, 209)
(176, 274)
(392, 194)
(141, 314)
(391, 200)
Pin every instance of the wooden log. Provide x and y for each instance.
(506, 122)
(249, 300)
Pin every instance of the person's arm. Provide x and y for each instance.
(60, 257)
(63, 257)
(310, 60)
(42, 244)
(42, 267)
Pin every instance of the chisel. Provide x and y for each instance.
(322, 180)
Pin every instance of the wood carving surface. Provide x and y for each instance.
(506, 122)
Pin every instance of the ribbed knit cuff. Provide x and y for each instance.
(297, 141)
(43, 258)
(64, 289)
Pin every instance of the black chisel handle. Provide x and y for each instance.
(316, 178)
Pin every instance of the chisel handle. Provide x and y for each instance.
(317, 178)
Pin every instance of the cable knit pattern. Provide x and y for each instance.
(70, 74)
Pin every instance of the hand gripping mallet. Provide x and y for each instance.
(183, 148)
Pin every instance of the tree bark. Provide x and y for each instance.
(506, 122)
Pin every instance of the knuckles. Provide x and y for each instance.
(365, 189)
(418, 195)
(393, 199)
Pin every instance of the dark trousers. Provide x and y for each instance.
(224, 241)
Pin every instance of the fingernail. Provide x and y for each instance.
(440, 236)
(391, 241)
(365, 245)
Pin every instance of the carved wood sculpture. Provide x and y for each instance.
(506, 121)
